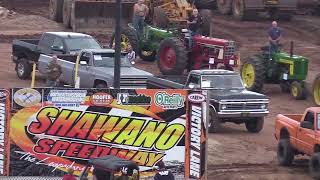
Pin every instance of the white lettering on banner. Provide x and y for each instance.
(195, 141)
(2, 129)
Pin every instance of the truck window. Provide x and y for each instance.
(58, 43)
(318, 120)
(85, 57)
(309, 117)
(75, 44)
(46, 40)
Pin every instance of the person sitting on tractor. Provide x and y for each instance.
(140, 11)
(194, 22)
(274, 37)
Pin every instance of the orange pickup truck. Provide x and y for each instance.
(299, 134)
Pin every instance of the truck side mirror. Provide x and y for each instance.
(307, 125)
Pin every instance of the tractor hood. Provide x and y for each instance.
(234, 94)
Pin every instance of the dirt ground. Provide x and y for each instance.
(234, 153)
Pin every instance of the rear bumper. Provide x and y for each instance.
(242, 114)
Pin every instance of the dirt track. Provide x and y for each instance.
(234, 153)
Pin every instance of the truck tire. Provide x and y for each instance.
(314, 165)
(316, 90)
(172, 57)
(128, 38)
(224, 6)
(207, 19)
(239, 11)
(67, 5)
(160, 18)
(23, 69)
(285, 152)
(297, 90)
(253, 73)
(55, 10)
(255, 126)
(214, 122)
(285, 87)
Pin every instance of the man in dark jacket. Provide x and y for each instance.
(54, 72)
(275, 34)
(195, 22)
(163, 173)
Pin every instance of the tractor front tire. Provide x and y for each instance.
(224, 6)
(214, 122)
(160, 18)
(128, 35)
(55, 10)
(172, 57)
(316, 90)
(253, 73)
(255, 125)
(297, 90)
(285, 87)
(207, 19)
(285, 152)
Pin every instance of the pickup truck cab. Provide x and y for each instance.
(299, 134)
(229, 100)
(96, 70)
(27, 51)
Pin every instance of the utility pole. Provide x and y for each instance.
(117, 62)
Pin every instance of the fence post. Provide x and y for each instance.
(33, 75)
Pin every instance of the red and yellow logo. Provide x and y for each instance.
(101, 99)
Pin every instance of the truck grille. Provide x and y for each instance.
(133, 82)
(240, 105)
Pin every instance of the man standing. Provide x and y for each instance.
(54, 72)
(275, 34)
(163, 173)
(140, 11)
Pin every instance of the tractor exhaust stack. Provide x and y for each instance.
(291, 48)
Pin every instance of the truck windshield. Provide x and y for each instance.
(76, 44)
(221, 82)
(107, 60)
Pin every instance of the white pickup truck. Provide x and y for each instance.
(96, 70)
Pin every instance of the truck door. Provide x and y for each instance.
(306, 134)
(85, 70)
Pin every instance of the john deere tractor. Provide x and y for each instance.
(316, 90)
(288, 70)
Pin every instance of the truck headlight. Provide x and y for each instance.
(263, 106)
(223, 107)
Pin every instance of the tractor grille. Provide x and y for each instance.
(230, 50)
(133, 82)
(241, 105)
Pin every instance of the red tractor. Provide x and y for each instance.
(176, 54)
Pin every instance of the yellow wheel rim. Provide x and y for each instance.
(125, 43)
(316, 91)
(294, 91)
(248, 75)
(146, 53)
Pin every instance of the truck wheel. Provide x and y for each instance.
(214, 122)
(147, 55)
(285, 152)
(128, 39)
(207, 19)
(23, 69)
(316, 90)
(55, 10)
(224, 6)
(255, 126)
(314, 166)
(67, 4)
(160, 18)
(253, 73)
(172, 57)
(297, 90)
(239, 11)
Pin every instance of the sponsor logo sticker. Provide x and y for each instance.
(167, 101)
(101, 99)
(127, 99)
(70, 98)
(196, 98)
(27, 97)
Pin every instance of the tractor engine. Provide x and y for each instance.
(214, 53)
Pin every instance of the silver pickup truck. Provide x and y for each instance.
(96, 70)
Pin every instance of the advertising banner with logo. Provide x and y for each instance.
(4, 133)
(56, 129)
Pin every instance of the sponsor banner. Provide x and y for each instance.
(4, 133)
(56, 129)
(196, 136)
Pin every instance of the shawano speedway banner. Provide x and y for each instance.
(4, 136)
(52, 130)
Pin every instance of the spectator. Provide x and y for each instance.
(70, 175)
(140, 11)
(163, 174)
(54, 72)
(131, 55)
(275, 34)
(194, 22)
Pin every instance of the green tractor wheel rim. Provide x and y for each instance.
(147, 53)
(294, 91)
(316, 91)
(248, 75)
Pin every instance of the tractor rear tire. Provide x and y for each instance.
(239, 11)
(255, 125)
(172, 57)
(314, 166)
(207, 21)
(316, 90)
(129, 33)
(285, 152)
(214, 122)
(67, 5)
(55, 10)
(297, 90)
(224, 6)
(253, 72)
(160, 18)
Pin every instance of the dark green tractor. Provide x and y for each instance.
(288, 70)
(147, 45)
